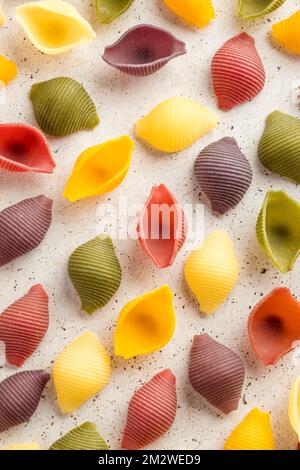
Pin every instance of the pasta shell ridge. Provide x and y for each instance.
(224, 174)
(196, 12)
(216, 373)
(294, 411)
(212, 270)
(250, 9)
(100, 169)
(162, 227)
(108, 10)
(238, 74)
(95, 272)
(80, 371)
(8, 71)
(151, 411)
(83, 437)
(287, 33)
(145, 324)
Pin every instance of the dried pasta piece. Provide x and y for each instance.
(23, 325)
(100, 169)
(8, 71)
(175, 124)
(83, 437)
(19, 397)
(162, 227)
(216, 373)
(23, 227)
(54, 26)
(224, 174)
(24, 446)
(287, 33)
(238, 74)
(145, 324)
(253, 433)
(80, 371)
(277, 229)
(274, 325)
(24, 148)
(294, 407)
(196, 12)
(151, 411)
(212, 270)
(143, 50)
(249, 9)
(95, 272)
(62, 106)
(108, 10)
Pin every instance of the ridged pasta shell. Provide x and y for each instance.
(238, 74)
(287, 33)
(277, 229)
(253, 433)
(253, 9)
(294, 409)
(100, 169)
(95, 272)
(279, 146)
(54, 26)
(23, 325)
(83, 437)
(24, 148)
(19, 397)
(8, 70)
(274, 325)
(151, 411)
(80, 371)
(108, 10)
(62, 106)
(143, 50)
(212, 270)
(24, 446)
(224, 174)
(216, 373)
(162, 227)
(175, 124)
(145, 324)
(196, 12)
(23, 226)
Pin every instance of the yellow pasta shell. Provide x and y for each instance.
(54, 26)
(287, 33)
(253, 433)
(100, 169)
(8, 70)
(80, 371)
(24, 446)
(145, 324)
(196, 12)
(294, 407)
(175, 124)
(212, 270)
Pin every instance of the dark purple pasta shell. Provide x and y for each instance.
(19, 397)
(224, 174)
(23, 227)
(143, 50)
(216, 372)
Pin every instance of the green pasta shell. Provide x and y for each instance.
(278, 229)
(95, 272)
(279, 147)
(84, 437)
(108, 10)
(254, 8)
(62, 106)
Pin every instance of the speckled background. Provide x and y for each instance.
(121, 100)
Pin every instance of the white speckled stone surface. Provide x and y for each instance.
(121, 100)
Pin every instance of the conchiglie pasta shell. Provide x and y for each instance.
(253, 433)
(175, 124)
(24, 446)
(253, 9)
(287, 33)
(212, 270)
(108, 10)
(294, 407)
(54, 26)
(84, 437)
(145, 324)
(196, 12)
(100, 169)
(8, 70)
(80, 371)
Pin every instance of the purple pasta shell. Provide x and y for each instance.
(19, 397)
(224, 174)
(143, 50)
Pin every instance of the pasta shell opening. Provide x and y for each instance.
(8, 71)
(83, 437)
(294, 408)
(254, 8)
(108, 10)
(287, 33)
(196, 12)
(145, 324)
